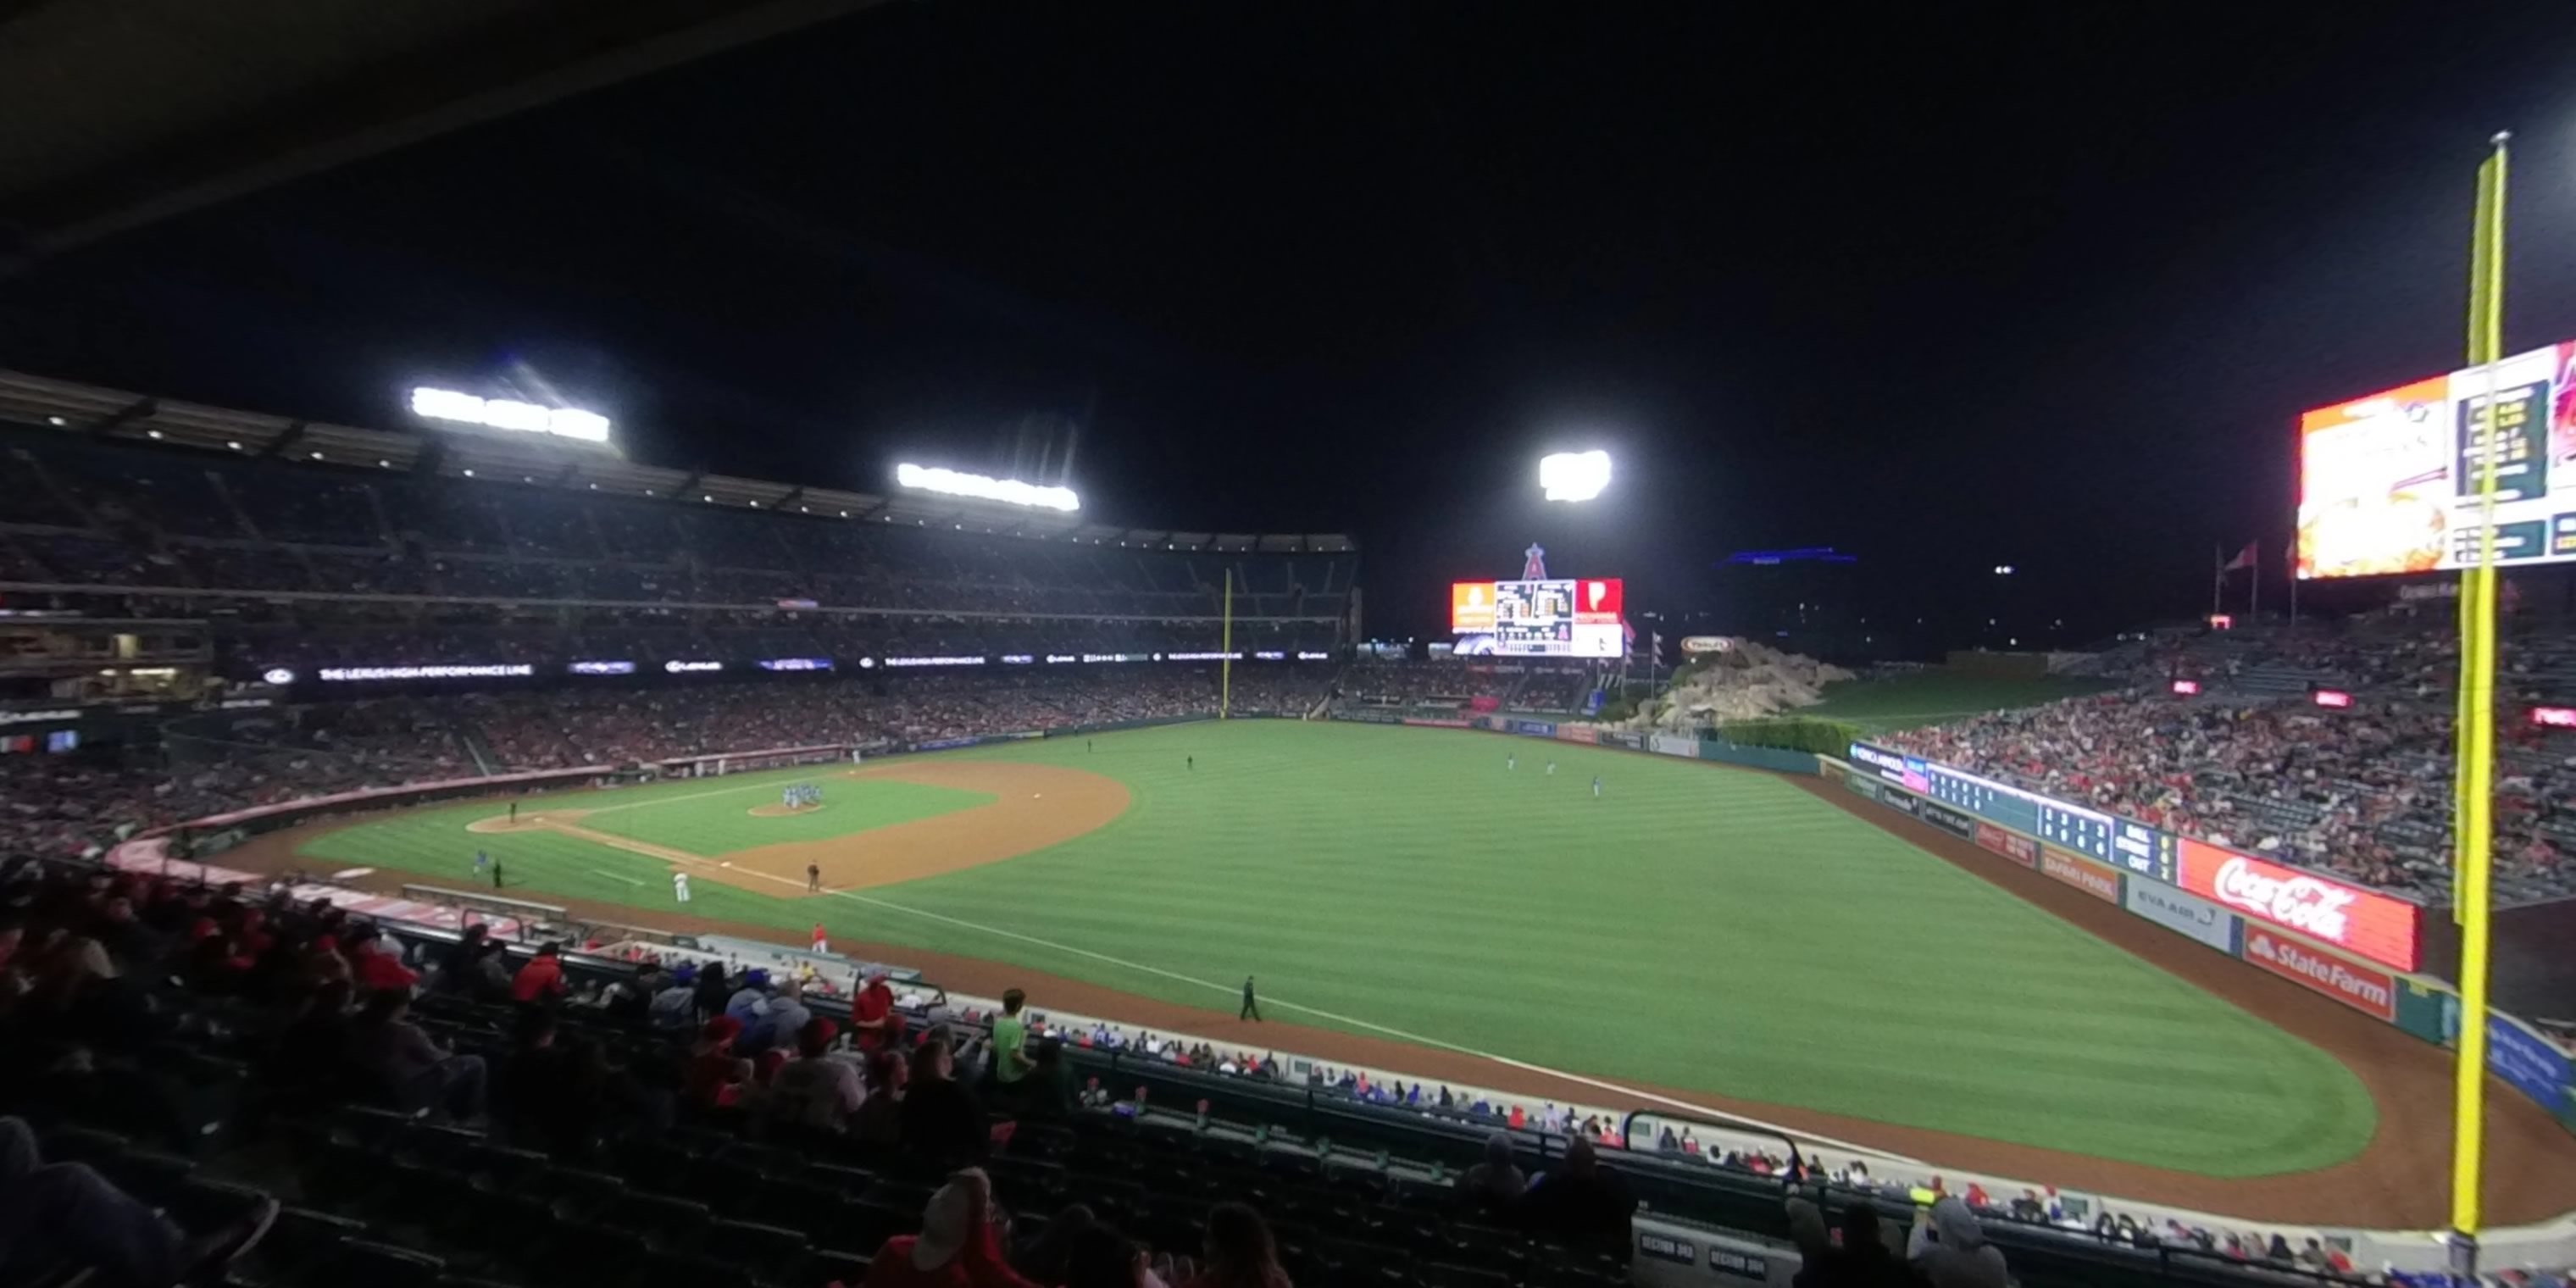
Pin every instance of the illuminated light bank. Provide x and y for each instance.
(509, 414)
(1006, 491)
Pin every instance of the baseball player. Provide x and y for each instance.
(821, 944)
(813, 879)
(1596, 787)
(1512, 760)
(680, 887)
(1551, 769)
(482, 864)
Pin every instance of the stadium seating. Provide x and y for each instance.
(206, 529)
(2250, 761)
(198, 1058)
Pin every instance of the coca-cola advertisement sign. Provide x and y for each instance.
(2348, 982)
(2367, 922)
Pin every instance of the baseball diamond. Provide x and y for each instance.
(1727, 938)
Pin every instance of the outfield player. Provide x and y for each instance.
(680, 887)
(1596, 787)
(1551, 769)
(1511, 760)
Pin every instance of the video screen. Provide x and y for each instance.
(2389, 483)
(1572, 617)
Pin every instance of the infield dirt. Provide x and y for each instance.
(1033, 807)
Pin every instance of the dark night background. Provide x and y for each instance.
(1942, 286)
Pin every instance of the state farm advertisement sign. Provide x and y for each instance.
(2351, 983)
(2367, 922)
(2082, 873)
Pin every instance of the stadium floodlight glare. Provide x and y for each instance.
(1574, 476)
(510, 414)
(1006, 491)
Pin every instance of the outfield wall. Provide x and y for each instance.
(1683, 746)
(2340, 941)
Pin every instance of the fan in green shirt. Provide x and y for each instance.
(1011, 1040)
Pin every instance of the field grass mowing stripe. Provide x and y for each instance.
(1355, 1022)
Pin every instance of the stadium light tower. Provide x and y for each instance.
(1574, 476)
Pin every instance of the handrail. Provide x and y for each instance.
(1628, 1126)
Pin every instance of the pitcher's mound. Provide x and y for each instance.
(774, 810)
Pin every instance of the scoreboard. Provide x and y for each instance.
(1534, 616)
(1556, 617)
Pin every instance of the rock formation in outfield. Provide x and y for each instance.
(1744, 680)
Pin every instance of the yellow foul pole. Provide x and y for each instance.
(1225, 665)
(2473, 739)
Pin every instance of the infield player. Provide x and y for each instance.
(680, 887)
(813, 878)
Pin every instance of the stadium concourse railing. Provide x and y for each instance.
(2358, 946)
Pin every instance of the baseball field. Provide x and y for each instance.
(1704, 932)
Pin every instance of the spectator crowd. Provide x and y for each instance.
(2250, 760)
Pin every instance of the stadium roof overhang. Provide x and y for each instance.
(125, 111)
(540, 461)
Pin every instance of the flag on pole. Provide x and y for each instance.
(2244, 558)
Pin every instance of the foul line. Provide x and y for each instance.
(612, 876)
(690, 796)
(1415, 1038)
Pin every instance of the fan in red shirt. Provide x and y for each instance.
(371, 967)
(958, 1245)
(873, 1015)
(541, 980)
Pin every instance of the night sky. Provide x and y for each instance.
(1942, 286)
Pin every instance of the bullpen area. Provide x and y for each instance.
(1466, 905)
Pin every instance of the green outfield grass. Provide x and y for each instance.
(1930, 697)
(1697, 928)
